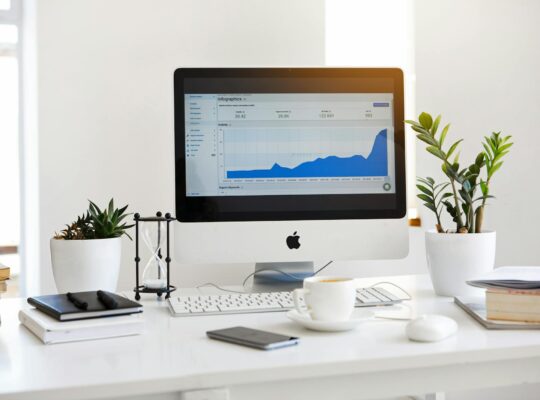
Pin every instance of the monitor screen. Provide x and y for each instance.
(267, 144)
(271, 144)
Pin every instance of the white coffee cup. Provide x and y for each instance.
(327, 298)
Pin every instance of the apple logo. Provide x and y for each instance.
(293, 241)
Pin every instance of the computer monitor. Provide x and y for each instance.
(282, 166)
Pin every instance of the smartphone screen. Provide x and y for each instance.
(253, 338)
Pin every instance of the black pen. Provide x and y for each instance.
(82, 305)
(107, 300)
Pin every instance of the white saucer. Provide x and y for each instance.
(358, 317)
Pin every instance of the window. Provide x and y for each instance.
(364, 33)
(9, 133)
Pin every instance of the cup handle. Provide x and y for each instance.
(296, 298)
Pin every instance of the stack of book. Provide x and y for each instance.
(82, 316)
(513, 305)
(512, 296)
(4, 276)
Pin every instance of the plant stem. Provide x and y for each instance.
(458, 211)
(480, 212)
(471, 219)
(479, 219)
(439, 224)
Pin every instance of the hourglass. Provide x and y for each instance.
(155, 236)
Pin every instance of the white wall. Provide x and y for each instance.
(104, 84)
(104, 80)
(478, 64)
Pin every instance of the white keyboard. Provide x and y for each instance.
(243, 303)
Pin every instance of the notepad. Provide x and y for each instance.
(59, 307)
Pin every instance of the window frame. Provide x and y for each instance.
(13, 16)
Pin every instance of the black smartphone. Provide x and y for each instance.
(253, 338)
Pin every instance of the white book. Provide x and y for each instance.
(520, 278)
(50, 331)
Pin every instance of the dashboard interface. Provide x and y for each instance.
(267, 144)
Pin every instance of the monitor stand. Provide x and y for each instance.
(268, 277)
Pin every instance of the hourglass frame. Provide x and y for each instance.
(159, 219)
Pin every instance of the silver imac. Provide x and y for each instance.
(282, 166)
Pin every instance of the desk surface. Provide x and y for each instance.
(175, 355)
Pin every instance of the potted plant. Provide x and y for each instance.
(466, 250)
(86, 254)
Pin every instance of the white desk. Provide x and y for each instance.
(174, 355)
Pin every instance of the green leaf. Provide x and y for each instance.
(111, 207)
(425, 197)
(453, 211)
(427, 139)
(488, 153)
(435, 125)
(122, 210)
(482, 198)
(480, 160)
(444, 168)
(494, 168)
(436, 152)
(413, 123)
(453, 148)
(425, 120)
(474, 169)
(505, 146)
(424, 181)
(446, 195)
(425, 190)
(93, 212)
(443, 134)
(419, 129)
(121, 218)
(449, 171)
(499, 156)
(491, 145)
(465, 195)
(431, 207)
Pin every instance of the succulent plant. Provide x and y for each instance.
(107, 223)
(97, 224)
(469, 189)
(77, 230)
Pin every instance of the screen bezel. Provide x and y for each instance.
(315, 207)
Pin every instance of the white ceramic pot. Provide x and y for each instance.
(455, 258)
(85, 265)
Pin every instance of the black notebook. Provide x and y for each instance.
(59, 307)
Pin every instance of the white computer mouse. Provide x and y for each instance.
(431, 328)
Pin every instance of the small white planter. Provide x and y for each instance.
(86, 265)
(454, 259)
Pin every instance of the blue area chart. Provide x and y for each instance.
(376, 164)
